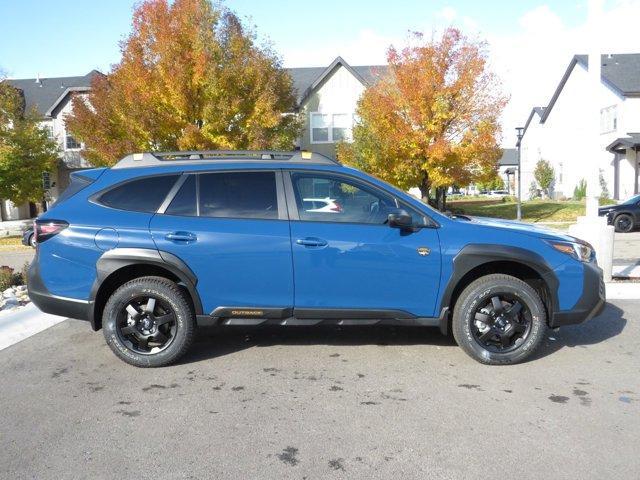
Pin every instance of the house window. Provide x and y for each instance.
(608, 119)
(71, 143)
(331, 128)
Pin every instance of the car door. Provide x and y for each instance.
(231, 229)
(350, 258)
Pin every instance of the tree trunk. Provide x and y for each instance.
(441, 198)
(425, 186)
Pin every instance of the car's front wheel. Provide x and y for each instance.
(623, 223)
(148, 322)
(499, 319)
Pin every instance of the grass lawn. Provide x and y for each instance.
(12, 244)
(537, 211)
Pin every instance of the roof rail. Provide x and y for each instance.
(149, 159)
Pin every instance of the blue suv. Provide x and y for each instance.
(164, 242)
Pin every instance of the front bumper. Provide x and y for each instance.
(590, 304)
(54, 304)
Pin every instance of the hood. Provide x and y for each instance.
(522, 227)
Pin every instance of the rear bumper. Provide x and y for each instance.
(54, 304)
(590, 304)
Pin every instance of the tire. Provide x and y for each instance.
(623, 223)
(136, 331)
(32, 240)
(481, 326)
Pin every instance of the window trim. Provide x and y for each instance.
(67, 149)
(610, 113)
(292, 205)
(280, 195)
(329, 128)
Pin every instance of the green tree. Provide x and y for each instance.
(26, 151)
(494, 183)
(544, 175)
(192, 76)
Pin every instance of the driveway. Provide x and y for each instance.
(626, 248)
(324, 403)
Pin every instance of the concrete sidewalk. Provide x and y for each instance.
(22, 322)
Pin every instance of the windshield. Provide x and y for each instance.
(632, 200)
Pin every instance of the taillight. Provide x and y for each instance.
(45, 229)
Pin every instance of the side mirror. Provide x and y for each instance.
(400, 219)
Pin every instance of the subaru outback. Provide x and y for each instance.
(161, 243)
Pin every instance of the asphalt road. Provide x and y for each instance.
(324, 403)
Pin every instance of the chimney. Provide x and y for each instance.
(38, 79)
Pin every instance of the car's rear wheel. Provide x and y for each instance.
(32, 240)
(148, 322)
(499, 319)
(623, 223)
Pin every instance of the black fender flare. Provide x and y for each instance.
(117, 258)
(476, 254)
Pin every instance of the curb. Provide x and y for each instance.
(622, 291)
(21, 323)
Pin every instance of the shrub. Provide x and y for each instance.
(604, 191)
(10, 278)
(544, 175)
(580, 192)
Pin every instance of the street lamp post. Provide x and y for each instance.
(520, 133)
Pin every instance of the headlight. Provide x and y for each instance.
(580, 251)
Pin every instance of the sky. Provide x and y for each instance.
(530, 43)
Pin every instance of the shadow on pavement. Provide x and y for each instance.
(213, 342)
(608, 324)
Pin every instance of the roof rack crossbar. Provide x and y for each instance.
(149, 159)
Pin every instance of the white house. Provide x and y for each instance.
(327, 98)
(555, 132)
(51, 99)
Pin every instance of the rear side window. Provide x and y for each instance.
(238, 195)
(77, 183)
(141, 195)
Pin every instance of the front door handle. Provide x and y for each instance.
(180, 237)
(311, 242)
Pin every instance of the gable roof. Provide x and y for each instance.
(620, 72)
(45, 94)
(509, 157)
(307, 79)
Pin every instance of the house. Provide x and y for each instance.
(51, 99)
(327, 98)
(554, 132)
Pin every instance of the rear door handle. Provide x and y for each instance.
(311, 242)
(179, 237)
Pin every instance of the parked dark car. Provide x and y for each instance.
(28, 238)
(625, 216)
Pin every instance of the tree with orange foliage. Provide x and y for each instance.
(191, 77)
(433, 120)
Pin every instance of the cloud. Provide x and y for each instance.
(448, 14)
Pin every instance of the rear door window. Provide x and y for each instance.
(141, 195)
(238, 195)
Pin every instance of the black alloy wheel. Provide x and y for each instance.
(501, 323)
(147, 325)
